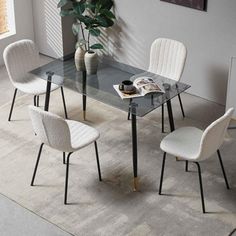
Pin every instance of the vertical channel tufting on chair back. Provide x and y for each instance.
(214, 135)
(167, 58)
(20, 57)
(51, 129)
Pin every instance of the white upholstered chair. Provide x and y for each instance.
(21, 57)
(167, 58)
(194, 145)
(66, 136)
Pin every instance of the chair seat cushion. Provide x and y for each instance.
(183, 143)
(81, 134)
(34, 85)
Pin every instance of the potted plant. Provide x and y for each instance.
(90, 16)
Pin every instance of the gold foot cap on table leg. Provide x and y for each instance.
(136, 185)
(84, 115)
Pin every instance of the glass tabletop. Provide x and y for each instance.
(100, 86)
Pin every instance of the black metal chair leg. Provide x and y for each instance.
(181, 105)
(67, 175)
(35, 100)
(64, 102)
(36, 165)
(98, 164)
(223, 170)
(201, 188)
(64, 158)
(128, 118)
(162, 119)
(162, 172)
(12, 105)
(186, 166)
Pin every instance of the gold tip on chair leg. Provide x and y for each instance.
(136, 184)
(84, 115)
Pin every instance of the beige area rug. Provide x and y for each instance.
(111, 207)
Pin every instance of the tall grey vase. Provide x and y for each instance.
(79, 59)
(91, 62)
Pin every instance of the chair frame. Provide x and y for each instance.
(177, 79)
(66, 160)
(17, 72)
(36, 103)
(199, 175)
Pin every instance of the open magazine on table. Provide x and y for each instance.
(143, 85)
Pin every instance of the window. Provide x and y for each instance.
(7, 18)
(3, 17)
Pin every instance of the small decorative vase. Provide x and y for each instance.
(79, 59)
(91, 62)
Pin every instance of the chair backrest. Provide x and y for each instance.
(214, 135)
(167, 58)
(20, 57)
(51, 129)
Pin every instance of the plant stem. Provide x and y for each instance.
(82, 30)
(88, 41)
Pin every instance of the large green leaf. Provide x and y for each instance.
(87, 20)
(98, 7)
(97, 46)
(76, 28)
(106, 4)
(63, 3)
(104, 21)
(79, 8)
(91, 7)
(95, 32)
(107, 13)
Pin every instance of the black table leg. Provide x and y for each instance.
(172, 124)
(134, 145)
(84, 94)
(162, 118)
(130, 101)
(84, 106)
(48, 90)
(170, 115)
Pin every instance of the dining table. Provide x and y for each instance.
(100, 87)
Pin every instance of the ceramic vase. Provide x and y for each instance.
(91, 62)
(79, 59)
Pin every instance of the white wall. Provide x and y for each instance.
(40, 21)
(231, 94)
(53, 34)
(24, 24)
(48, 27)
(209, 36)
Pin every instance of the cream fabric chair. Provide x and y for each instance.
(167, 58)
(66, 136)
(21, 57)
(195, 145)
